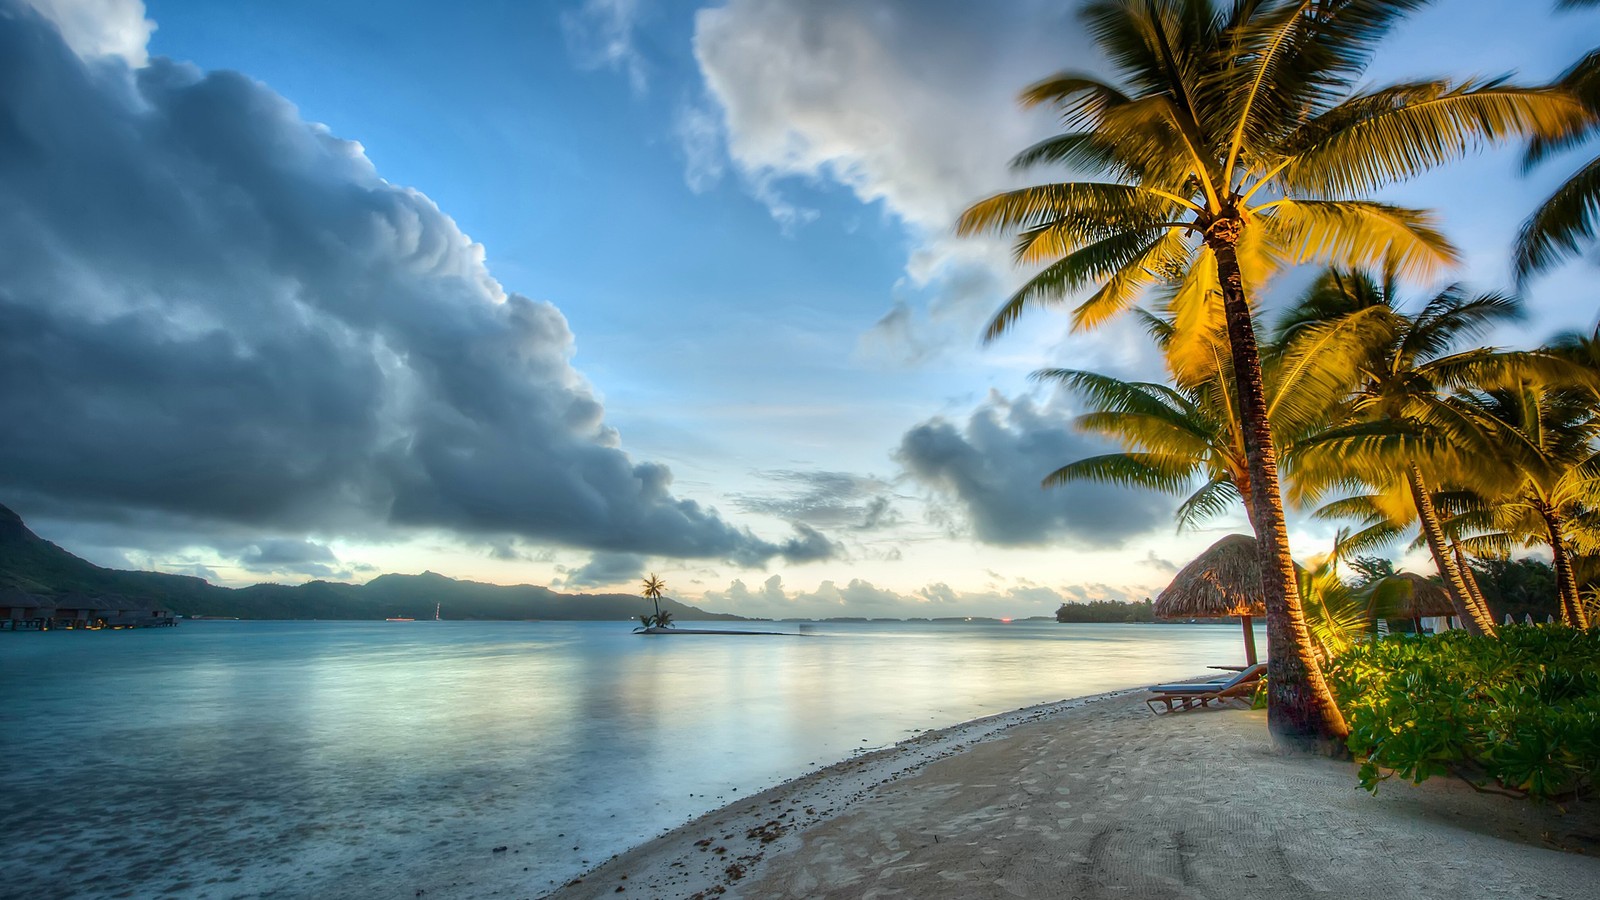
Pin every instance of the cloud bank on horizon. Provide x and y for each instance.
(217, 316)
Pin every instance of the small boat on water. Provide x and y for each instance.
(399, 619)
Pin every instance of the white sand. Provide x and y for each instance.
(1096, 798)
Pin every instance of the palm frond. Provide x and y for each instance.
(1582, 80)
(1405, 130)
(1079, 204)
(1563, 223)
(1151, 471)
(1360, 233)
(1120, 263)
(1214, 498)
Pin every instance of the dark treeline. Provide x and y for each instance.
(1106, 611)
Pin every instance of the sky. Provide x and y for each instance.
(568, 292)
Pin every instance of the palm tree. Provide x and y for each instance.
(1178, 436)
(1547, 436)
(653, 589)
(1405, 372)
(1236, 144)
(1569, 218)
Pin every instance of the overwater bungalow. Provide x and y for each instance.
(21, 611)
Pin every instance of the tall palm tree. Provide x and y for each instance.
(1547, 436)
(1569, 218)
(1404, 377)
(1236, 143)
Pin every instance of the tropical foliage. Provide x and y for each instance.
(1521, 712)
(1235, 143)
(1400, 432)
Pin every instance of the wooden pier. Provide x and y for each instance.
(31, 612)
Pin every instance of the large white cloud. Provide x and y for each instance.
(908, 103)
(215, 311)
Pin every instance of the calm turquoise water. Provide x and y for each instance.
(355, 759)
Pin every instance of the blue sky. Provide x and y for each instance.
(739, 212)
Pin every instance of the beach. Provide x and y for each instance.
(1096, 797)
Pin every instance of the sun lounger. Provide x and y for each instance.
(1201, 693)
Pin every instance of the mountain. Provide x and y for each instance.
(32, 565)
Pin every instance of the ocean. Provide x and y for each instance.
(373, 759)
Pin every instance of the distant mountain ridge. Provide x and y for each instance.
(30, 564)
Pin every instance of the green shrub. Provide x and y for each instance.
(1522, 710)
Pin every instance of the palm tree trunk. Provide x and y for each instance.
(1566, 585)
(1470, 581)
(1301, 711)
(1433, 533)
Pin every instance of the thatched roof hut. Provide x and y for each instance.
(1407, 595)
(1222, 582)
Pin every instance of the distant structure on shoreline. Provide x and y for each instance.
(28, 612)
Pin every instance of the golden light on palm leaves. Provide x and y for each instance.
(1253, 120)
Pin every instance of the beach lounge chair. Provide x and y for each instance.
(1201, 693)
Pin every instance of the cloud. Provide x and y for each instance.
(991, 467)
(808, 545)
(600, 35)
(220, 315)
(770, 599)
(826, 499)
(1160, 564)
(510, 551)
(100, 28)
(293, 557)
(287, 552)
(699, 133)
(907, 103)
(878, 95)
(606, 569)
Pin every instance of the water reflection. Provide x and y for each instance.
(354, 759)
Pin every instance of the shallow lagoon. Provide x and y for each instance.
(375, 759)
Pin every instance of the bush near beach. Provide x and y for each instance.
(1520, 713)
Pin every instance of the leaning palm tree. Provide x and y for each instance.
(1236, 144)
(1569, 218)
(1401, 418)
(1547, 437)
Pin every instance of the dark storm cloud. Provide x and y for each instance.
(214, 310)
(991, 469)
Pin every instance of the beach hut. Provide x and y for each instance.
(1407, 595)
(1222, 582)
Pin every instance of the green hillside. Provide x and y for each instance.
(33, 565)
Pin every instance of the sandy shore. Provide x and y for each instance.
(1095, 797)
